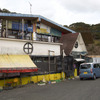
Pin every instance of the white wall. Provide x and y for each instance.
(81, 45)
(14, 46)
(96, 60)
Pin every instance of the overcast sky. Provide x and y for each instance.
(64, 12)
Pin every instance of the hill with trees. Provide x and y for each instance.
(90, 34)
(5, 11)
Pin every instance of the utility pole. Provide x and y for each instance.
(30, 8)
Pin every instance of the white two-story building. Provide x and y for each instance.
(23, 36)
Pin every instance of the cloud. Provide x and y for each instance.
(81, 6)
(64, 12)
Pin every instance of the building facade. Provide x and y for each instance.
(74, 52)
(33, 35)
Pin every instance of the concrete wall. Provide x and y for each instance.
(15, 46)
(35, 79)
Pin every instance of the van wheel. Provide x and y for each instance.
(81, 78)
(94, 77)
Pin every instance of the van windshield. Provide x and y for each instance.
(85, 66)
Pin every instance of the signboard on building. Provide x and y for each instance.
(42, 28)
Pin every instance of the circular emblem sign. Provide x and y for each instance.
(28, 48)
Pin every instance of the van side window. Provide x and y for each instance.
(99, 65)
(96, 66)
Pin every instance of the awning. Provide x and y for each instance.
(79, 60)
(16, 63)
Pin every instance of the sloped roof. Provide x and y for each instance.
(68, 41)
(41, 18)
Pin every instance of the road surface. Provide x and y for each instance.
(65, 90)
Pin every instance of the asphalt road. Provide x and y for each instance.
(66, 90)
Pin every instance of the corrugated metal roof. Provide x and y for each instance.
(16, 61)
(35, 16)
(18, 15)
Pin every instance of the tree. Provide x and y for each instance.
(84, 29)
(96, 31)
(5, 11)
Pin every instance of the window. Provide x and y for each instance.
(99, 65)
(52, 60)
(96, 66)
(12, 34)
(45, 59)
(40, 59)
(56, 39)
(45, 38)
(85, 66)
(39, 37)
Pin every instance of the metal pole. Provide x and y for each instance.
(30, 8)
(22, 29)
(49, 61)
(6, 35)
(20, 79)
(55, 63)
(4, 80)
(49, 58)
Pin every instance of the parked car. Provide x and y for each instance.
(89, 70)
